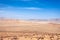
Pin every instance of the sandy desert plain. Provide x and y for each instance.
(14, 29)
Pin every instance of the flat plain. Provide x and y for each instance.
(14, 29)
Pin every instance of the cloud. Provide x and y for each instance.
(32, 8)
(5, 6)
(28, 8)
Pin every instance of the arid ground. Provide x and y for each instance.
(14, 29)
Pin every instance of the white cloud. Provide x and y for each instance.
(29, 8)
(12, 7)
(32, 8)
(4, 6)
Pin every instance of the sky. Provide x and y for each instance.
(30, 9)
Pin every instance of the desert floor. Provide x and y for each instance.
(28, 30)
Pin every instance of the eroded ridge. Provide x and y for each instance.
(29, 36)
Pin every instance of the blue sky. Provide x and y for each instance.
(30, 9)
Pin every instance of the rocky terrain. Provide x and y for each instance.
(16, 29)
(28, 35)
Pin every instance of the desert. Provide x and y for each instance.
(15, 29)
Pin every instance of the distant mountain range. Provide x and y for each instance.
(56, 20)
